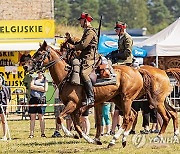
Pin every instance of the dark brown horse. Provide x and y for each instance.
(129, 84)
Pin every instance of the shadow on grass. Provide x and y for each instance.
(36, 143)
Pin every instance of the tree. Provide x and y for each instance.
(159, 15)
(79, 6)
(109, 10)
(174, 7)
(62, 11)
(134, 13)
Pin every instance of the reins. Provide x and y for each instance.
(51, 63)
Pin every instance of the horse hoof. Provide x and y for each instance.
(110, 145)
(76, 136)
(124, 144)
(175, 137)
(98, 142)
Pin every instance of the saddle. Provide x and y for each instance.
(102, 74)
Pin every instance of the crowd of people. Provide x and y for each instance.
(111, 115)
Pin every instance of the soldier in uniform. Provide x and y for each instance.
(124, 53)
(88, 56)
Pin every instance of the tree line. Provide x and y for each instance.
(155, 15)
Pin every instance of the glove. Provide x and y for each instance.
(68, 36)
(71, 46)
(119, 56)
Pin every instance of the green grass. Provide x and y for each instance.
(21, 144)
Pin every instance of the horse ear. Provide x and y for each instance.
(44, 45)
(40, 44)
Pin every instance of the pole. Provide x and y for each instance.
(6, 124)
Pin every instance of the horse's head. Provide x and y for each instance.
(39, 59)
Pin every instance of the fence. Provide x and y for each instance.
(175, 95)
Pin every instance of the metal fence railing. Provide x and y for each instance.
(175, 95)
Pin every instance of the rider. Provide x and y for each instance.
(124, 53)
(88, 56)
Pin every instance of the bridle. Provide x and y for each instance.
(38, 63)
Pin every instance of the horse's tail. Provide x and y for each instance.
(175, 72)
(147, 80)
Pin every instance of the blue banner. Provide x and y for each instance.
(108, 44)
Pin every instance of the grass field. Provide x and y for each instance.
(20, 143)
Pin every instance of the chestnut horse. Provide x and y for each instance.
(157, 87)
(129, 85)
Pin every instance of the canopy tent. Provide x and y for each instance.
(164, 43)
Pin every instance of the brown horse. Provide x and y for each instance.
(157, 86)
(129, 84)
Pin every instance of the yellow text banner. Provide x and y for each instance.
(27, 29)
(13, 76)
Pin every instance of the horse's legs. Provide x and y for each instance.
(126, 108)
(98, 120)
(174, 116)
(129, 122)
(132, 118)
(165, 116)
(69, 108)
(76, 120)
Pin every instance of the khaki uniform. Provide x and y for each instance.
(125, 46)
(88, 47)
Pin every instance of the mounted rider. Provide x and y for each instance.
(124, 53)
(88, 56)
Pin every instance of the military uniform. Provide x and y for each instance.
(125, 43)
(88, 47)
(88, 56)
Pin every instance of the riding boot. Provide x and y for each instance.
(89, 93)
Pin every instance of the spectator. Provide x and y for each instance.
(5, 96)
(24, 58)
(136, 105)
(39, 86)
(112, 108)
(153, 120)
(85, 124)
(57, 111)
(149, 112)
(106, 118)
(69, 123)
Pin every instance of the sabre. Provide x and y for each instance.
(99, 29)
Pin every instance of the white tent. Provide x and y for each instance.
(164, 43)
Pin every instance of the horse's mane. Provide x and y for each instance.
(56, 50)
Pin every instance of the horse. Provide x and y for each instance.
(130, 85)
(124, 91)
(157, 87)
